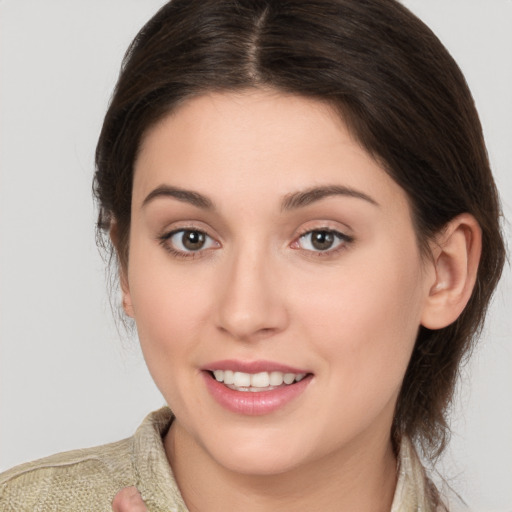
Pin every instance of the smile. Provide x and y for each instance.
(256, 382)
(254, 388)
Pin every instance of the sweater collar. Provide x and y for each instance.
(157, 485)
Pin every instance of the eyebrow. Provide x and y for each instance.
(186, 196)
(291, 201)
(306, 197)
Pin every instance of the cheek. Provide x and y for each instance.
(170, 308)
(364, 322)
(170, 314)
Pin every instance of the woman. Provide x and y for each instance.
(294, 193)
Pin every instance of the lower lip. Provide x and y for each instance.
(254, 403)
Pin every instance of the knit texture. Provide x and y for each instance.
(87, 480)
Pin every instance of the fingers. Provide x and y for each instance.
(128, 500)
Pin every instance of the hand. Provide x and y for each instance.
(128, 500)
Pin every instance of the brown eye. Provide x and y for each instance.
(322, 240)
(193, 240)
(189, 241)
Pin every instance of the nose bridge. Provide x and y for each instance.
(250, 303)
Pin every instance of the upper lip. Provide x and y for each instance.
(251, 366)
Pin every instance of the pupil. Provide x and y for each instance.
(322, 240)
(193, 240)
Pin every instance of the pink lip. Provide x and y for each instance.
(254, 403)
(251, 366)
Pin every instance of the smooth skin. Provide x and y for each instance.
(261, 230)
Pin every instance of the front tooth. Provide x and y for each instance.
(241, 380)
(276, 378)
(257, 380)
(289, 378)
(229, 377)
(260, 380)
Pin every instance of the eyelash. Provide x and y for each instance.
(343, 239)
(165, 238)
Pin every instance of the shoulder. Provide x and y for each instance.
(87, 480)
(452, 501)
(421, 489)
(80, 480)
(416, 489)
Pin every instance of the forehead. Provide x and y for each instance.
(256, 142)
(258, 120)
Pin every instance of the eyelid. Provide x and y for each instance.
(344, 240)
(165, 241)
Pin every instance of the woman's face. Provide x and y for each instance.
(266, 241)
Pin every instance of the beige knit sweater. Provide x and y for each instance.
(87, 480)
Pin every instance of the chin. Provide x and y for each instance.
(264, 452)
(259, 463)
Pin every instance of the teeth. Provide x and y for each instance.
(289, 378)
(260, 380)
(276, 378)
(228, 377)
(241, 380)
(256, 380)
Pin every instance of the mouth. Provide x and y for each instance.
(256, 382)
(255, 388)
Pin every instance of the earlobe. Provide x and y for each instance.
(123, 272)
(456, 254)
(126, 296)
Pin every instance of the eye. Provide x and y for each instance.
(188, 241)
(322, 240)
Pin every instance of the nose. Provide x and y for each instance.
(251, 304)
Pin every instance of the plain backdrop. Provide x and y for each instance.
(67, 378)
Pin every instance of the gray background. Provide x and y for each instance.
(67, 379)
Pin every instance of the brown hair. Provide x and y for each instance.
(394, 84)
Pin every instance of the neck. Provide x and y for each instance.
(361, 477)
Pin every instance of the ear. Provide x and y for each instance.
(123, 271)
(456, 254)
